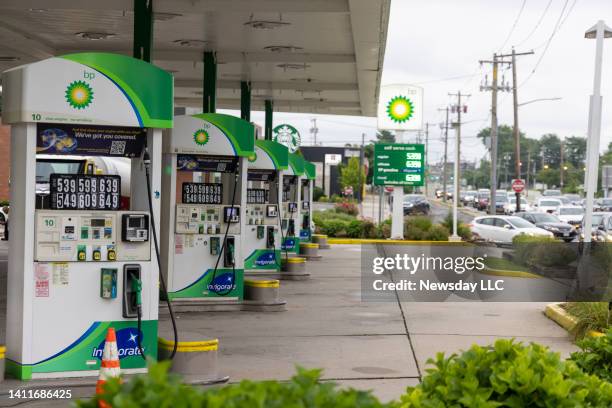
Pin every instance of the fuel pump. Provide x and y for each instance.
(81, 258)
(307, 185)
(204, 191)
(290, 224)
(262, 236)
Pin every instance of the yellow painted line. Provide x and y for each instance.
(309, 245)
(352, 241)
(272, 283)
(319, 236)
(510, 274)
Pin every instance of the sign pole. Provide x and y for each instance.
(456, 237)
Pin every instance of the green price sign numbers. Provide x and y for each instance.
(399, 164)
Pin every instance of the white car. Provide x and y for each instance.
(572, 214)
(502, 228)
(510, 206)
(548, 205)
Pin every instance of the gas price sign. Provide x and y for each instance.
(399, 164)
(84, 192)
(202, 193)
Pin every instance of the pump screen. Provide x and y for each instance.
(135, 222)
(84, 191)
(202, 193)
(257, 196)
(97, 222)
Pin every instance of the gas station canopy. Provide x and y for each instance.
(310, 56)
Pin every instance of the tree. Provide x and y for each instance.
(349, 174)
(385, 136)
(550, 150)
(575, 151)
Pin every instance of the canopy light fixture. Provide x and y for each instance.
(94, 36)
(266, 24)
(293, 66)
(190, 43)
(165, 16)
(8, 58)
(282, 48)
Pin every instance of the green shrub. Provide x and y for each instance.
(335, 198)
(160, 389)
(595, 356)
(507, 374)
(334, 228)
(323, 199)
(590, 316)
(436, 233)
(5, 203)
(463, 230)
(421, 222)
(354, 229)
(543, 251)
(317, 193)
(346, 207)
(383, 230)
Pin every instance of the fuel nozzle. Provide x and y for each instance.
(137, 289)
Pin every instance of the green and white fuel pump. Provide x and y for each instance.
(306, 201)
(262, 235)
(291, 199)
(204, 191)
(80, 261)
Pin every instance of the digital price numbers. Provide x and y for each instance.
(84, 192)
(202, 193)
(257, 196)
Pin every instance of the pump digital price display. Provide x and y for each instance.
(84, 192)
(202, 193)
(257, 196)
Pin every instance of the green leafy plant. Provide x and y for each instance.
(317, 193)
(590, 316)
(347, 207)
(323, 199)
(463, 230)
(542, 251)
(437, 233)
(160, 389)
(507, 374)
(595, 356)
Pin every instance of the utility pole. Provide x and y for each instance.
(426, 158)
(494, 88)
(360, 184)
(444, 179)
(314, 129)
(458, 108)
(528, 170)
(517, 136)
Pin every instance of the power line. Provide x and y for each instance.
(537, 24)
(516, 20)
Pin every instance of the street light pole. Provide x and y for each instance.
(597, 32)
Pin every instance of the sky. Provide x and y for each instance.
(437, 44)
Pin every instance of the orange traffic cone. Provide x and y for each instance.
(110, 364)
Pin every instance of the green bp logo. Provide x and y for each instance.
(400, 109)
(201, 137)
(252, 157)
(79, 94)
(289, 136)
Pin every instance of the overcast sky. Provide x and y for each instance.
(430, 42)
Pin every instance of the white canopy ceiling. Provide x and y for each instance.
(311, 56)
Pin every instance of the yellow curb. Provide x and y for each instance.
(510, 274)
(309, 245)
(319, 236)
(558, 314)
(189, 346)
(352, 241)
(272, 283)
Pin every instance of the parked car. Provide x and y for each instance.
(510, 206)
(469, 197)
(416, 204)
(482, 200)
(550, 223)
(575, 199)
(503, 228)
(604, 204)
(552, 193)
(548, 205)
(501, 200)
(603, 232)
(595, 221)
(572, 214)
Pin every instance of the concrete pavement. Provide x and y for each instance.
(381, 346)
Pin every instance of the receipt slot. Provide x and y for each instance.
(80, 254)
(203, 196)
(263, 236)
